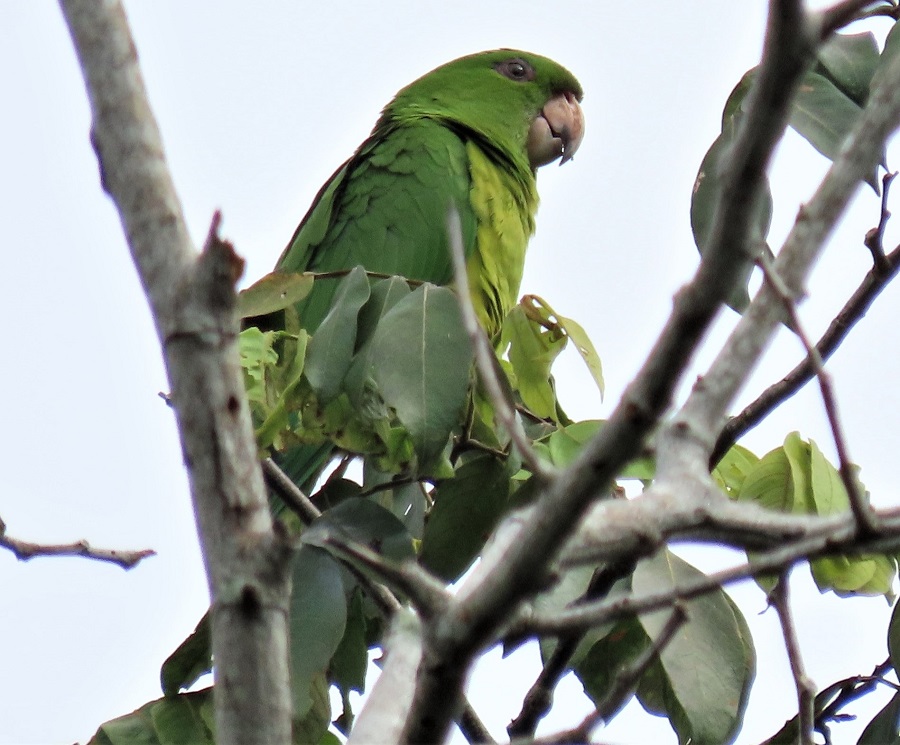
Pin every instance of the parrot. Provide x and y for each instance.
(470, 136)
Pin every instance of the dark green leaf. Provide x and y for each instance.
(386, 293)
(572, 585)
(365, 522)
(273, 292)
(348, 666)
(893, 639)
(313, 725)
(333, 343)
(317, 619)
(849, 61)
(824, 115)
(735, 104)
(890, 50)
(705, 199)
(884, 729)
(466, 509)
(420, 362)
(184, 719)
(607, 659)
(192, 659)
(705, 672)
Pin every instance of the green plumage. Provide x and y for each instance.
(455, 137)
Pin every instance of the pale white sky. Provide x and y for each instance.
(258, 105)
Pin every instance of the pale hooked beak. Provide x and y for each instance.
(556, 131)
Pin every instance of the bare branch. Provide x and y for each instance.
(193, 301)
(806, 690)
(25, 550)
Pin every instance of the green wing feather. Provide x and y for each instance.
(386, 209)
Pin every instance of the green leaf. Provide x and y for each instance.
(893, 639)
(189, 662)
(420, 362)
(350, 661)
(771, 483)
(734, 106)
(332, 345)
(572, 586)
(604, 663)
(313, 725)
(532, 349)
(184, 719)
(731, 472)
(704, 673)
(577, 334)
(849, 61)
(257, 353)
(890, 50)
(274, 292)
(365, 522)
(466, 509)
(318, 615)
(884, 729)
(704, 201)
(824, 115)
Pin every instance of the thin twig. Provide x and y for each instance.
(874, 239)
(485, 359)
(289, 493)
(624, 683)
(473, 729)
(25, 550)
(853, 311)
(806, 691)
(863, 513)
(839, 15)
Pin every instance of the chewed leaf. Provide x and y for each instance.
(580, 339)
(274, 292)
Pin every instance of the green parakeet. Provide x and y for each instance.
(468, 135)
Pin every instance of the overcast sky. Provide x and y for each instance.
(258, 104)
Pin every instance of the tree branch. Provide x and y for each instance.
(806, 691)
(25, 550)
(193, 302)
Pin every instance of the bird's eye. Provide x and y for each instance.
(516, 69)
